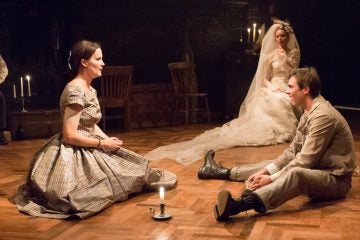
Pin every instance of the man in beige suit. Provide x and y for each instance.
(319, 162)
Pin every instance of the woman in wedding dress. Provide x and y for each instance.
(266, 116)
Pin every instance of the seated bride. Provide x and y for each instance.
(266, 116)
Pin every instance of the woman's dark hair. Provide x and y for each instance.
(83, 49)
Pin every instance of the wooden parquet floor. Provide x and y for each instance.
(190, 204)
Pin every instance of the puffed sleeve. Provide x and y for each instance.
(73, 95)
(294, 58)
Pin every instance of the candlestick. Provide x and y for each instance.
(21, 87)
(28, 85)
(162, 215)
(248, 30)
(241, 34)
(162, 195)
(254, 32)
(14, 90)
(22, 99)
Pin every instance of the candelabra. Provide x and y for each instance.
(22, 100)
(22, 97)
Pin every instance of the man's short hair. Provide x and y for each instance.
(308, 77)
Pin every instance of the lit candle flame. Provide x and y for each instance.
(28, 85)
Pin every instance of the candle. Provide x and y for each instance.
(28, 85)
(259, 33)
(21, 87)
(162, 195)
(248, 30)
(14, 90)
(254, 32)
(241, 33)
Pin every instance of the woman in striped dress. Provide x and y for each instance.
(81, 170)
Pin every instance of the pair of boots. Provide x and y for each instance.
(227, 205)
(3, 140)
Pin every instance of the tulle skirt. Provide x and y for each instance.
(271, 120)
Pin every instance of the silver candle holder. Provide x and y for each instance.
(162, 215)
(22, 101)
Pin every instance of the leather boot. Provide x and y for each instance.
(246, 193)
(228, 206)
(211, 170)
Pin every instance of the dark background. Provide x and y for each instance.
(36, 36)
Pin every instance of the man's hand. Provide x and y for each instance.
(258, 181)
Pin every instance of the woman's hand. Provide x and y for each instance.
(111, 143)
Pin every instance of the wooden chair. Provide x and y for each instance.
(115, 93)
(185, 87)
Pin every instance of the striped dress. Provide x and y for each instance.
(69, 181)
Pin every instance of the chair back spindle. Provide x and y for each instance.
(185, 88)
(115, 92)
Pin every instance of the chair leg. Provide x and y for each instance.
(193, 109)
(207, 109)
(186, 111)
(175, 110)
(127, 118)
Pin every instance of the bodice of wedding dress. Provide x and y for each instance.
(280, 67)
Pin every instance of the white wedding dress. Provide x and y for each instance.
(266, 116)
